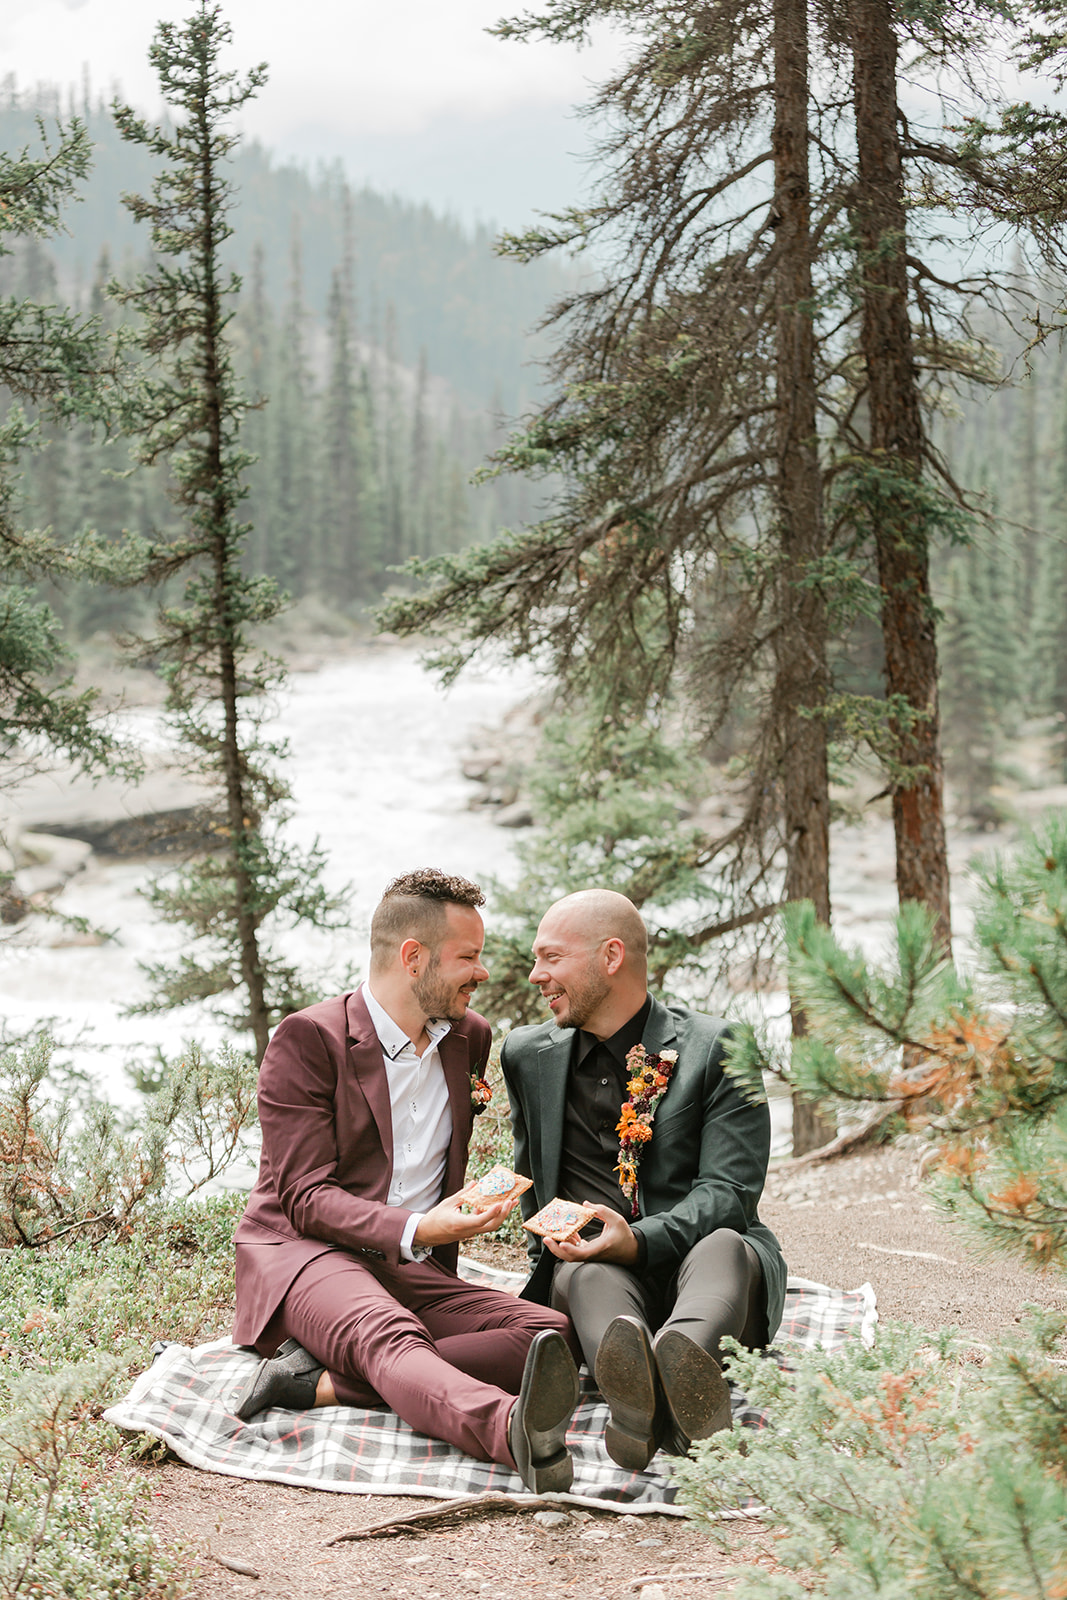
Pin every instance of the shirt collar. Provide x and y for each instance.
(391, 1036)
(619, 1043)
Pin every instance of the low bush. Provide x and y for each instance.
(73, 1163)
(924, 1467)
(102, 1251)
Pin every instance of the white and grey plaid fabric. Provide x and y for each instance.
(181, 1400)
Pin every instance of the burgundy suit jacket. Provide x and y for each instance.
(327, 1156)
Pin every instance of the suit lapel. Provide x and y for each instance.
(660, 1030)
(553, 1067)
(455, 1062)
(368, 1069)
(660, 1034)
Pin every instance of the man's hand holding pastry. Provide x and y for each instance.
(617, 1241)
(448, 1222)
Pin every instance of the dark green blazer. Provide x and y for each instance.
(704, 1167)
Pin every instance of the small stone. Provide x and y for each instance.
(653, 1591)
(551, 1519)
(648, 1543)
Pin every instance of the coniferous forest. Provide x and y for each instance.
(387, 345)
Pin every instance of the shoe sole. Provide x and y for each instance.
(551, 1403)
(697, 1393)
(626, 1377)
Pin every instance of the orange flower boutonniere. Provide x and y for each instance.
(481, 1094)
(649, 1077)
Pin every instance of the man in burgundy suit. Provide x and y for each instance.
(346, 1253)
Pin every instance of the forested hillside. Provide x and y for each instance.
(389, 343)
(392, 345)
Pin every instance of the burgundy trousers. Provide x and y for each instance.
(445, 1355)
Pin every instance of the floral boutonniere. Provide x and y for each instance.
(481, 1094)
(649, 1077)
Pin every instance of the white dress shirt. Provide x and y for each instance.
(422, 1120)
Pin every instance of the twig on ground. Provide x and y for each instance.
(450, 1508)
(681, 1577)
(231, 1563)
(915, 1255)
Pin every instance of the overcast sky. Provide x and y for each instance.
(412, 94)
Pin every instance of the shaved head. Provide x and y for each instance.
(591, 960)
(598, 914)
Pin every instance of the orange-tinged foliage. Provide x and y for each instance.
(1019, 1195)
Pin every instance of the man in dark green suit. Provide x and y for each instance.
(672, 1267)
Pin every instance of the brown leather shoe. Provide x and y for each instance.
(626, 1377)
(289, 1379)
(697, 1394)
(537, 1427)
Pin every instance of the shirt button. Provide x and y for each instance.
(604, 1081)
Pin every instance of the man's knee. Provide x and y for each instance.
(725, 1248)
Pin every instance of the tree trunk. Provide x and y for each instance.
(896, 450)
(801, 671)
(224, 563)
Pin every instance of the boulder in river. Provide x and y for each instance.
(181, 830)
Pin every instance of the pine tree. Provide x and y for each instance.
(350, 535)
(983, 687)
(912, 1468)
(189, 410)
(295, 506)
(56, 363)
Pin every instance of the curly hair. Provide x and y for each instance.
(414, 906)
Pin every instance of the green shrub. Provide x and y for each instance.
(77, 1320)
(76, 1164)
(923, 1468)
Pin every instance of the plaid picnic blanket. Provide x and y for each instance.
(179, 1400)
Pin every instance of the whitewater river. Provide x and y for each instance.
(376, 747)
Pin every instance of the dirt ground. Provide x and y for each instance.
(862, 1218)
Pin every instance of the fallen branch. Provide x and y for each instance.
(449, 1508)
(865, 1133)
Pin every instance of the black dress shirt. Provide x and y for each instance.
(596, 1091)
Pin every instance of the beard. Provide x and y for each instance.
(583, 995)
(434, 996)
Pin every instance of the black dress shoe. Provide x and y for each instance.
(537, 1427)
(696, 1392)
(626, 1377)
(288, 1379)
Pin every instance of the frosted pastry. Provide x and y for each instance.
(560, 1220)
(499, 1183)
